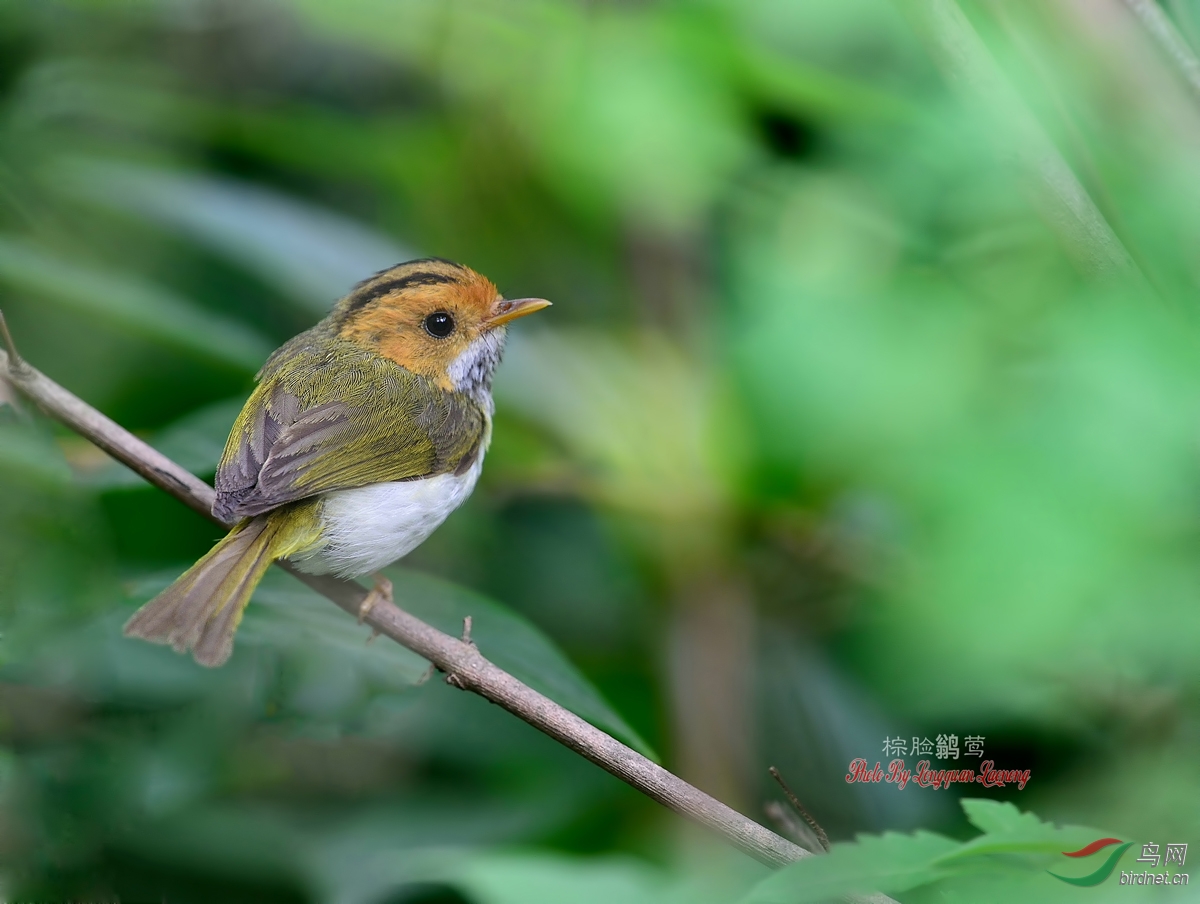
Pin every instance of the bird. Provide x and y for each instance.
(361, 436)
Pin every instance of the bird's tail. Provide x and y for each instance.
(201, 611)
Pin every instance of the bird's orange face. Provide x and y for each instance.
(435, 318)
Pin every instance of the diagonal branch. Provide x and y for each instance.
(460, 659)
(457, 658)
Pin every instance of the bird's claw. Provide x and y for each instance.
(381, 592)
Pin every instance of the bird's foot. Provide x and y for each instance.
(381, 592)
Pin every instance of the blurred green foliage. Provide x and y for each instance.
(831, 436)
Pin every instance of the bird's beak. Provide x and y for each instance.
(506, 309)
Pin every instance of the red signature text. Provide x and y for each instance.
(898, 774)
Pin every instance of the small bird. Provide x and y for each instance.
(363, 434)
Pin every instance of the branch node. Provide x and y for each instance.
(799, 807)
(454, 679)
(16, 364)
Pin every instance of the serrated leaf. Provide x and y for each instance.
(1008, 830)
(890, 863)
(998, 816)
(132, 304)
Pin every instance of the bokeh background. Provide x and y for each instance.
(844, 426)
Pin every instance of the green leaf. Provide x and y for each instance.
(998, 816)
(528, 878)
(1009, 831)
(128, 303)
(294, 618)
(309, 252)
(513, 644)
(26, 451)
(533, 877)
(322, 643)
(1013, 853)
(890, 863)
(997, 886)
(287, 616)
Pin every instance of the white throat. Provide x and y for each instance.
(471, 372)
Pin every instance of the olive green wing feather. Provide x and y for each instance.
(328, 416)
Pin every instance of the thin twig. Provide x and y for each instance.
(799, 808)
(8, 395)
(15, 362)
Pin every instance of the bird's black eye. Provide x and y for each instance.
(439, 324)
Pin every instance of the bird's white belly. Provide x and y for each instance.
(368, 528)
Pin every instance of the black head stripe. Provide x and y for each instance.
(369, 291)
(374, 276)
(407, 265)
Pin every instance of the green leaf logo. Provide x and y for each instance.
(1105, 869)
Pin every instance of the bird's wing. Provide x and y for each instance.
(326, 419)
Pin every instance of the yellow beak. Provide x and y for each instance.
(506, 309)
